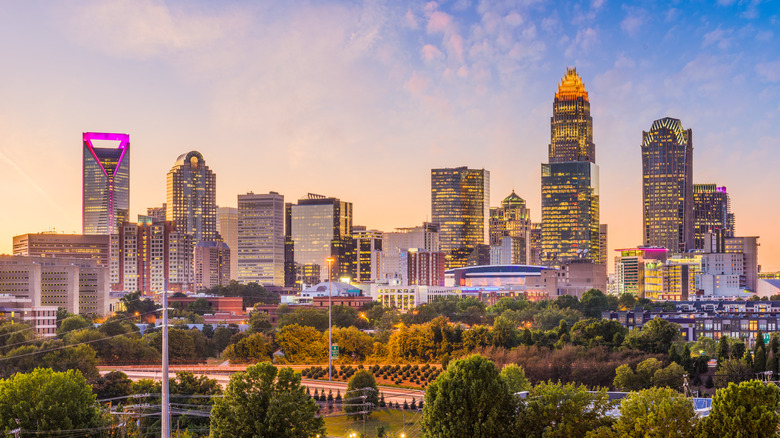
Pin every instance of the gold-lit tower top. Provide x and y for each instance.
(571, 86)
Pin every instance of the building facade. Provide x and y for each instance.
(667, 185)
(570, 179)
(106, 183)
(191, 198)
(368, 254)
(227, 227)
(212, 265)
(711, 212)
(460, 205)
(261, 239)
(512, 220)
(80, 286)
(317, 228)
(73, 246)
(151, 258)
(425, 268)
(397, 243)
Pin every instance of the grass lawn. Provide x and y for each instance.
(392, 419)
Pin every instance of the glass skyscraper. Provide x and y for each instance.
(106, 183)
(460, 205)
(570, 181)
(513, 220)
(711, 212)
(191, 198)
(318, 227)
(667, 186)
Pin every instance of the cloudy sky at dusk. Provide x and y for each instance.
(360, 99)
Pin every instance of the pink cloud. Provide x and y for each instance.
(455, 44)
(439, 22)
(417, 84)
(431, 52)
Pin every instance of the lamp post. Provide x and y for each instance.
(330, 320)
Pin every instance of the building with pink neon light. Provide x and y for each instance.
(106, 188)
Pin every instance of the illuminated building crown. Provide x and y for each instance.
(571, 86)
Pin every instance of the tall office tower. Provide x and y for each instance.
(718, 242)
(71, 246)
(157, 214)
(570, 181)
(191, 197)
(460, 204)
(212, 265)
(368, 254)
(637, 271)
(667, 185)
(227, 227)
(318, 227)
(151, 257)
(397, 243)
(603, 243)
(711, 211)
(535, 248)
(261, 239)
(512, 220)
(106, 183)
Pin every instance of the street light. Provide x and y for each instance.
(330, 261)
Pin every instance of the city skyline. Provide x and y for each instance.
(405, 87)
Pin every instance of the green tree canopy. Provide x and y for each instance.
(515, 378)
(362, 395)
(655, 413)
(562, 410)
(468, 400)
(655, 337)
(253, 348)
(594, 302)
(302, 344)
(73, 323)
(46, 400)
(745, 410)
(265, 402)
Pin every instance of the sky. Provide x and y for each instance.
(360, 99)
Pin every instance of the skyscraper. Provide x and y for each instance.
(368, 254)
(460, 204)
(191, 198)
(106, 183)
(711, 211)
(570, 181)
(227, 227)
(261, 239)
(667, 185)
(512, 220)
(318, 227)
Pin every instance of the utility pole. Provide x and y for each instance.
(165, 431)
(330, 319)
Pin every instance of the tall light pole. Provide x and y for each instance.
(330, 320)
(165, 431)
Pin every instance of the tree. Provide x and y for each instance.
(759, 363)
(671, 376)
(113, 384)
(626, 301)
(302, 344)
(745, 410)
(259, 322)
(515, 378)
(46, 400)
(72, 323)
(733, 370)
(655, 412)
(265, 402)
(594, 302)
(470, 399)
(363, 395)
(655, 337)
(562, 410)
(592, 332)
(723, 349)
(308, 317)
(253, 348)
(550, 317)
(201, 306)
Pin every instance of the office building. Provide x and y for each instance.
(460, 205)
(71, 246)
(368, 254)
(191, 198)
(512, 220)
(227, 227)
(425, 268)
(711, 212)
(261, 239)
(667, 185)
(318, 227)
(151, 257)
(212, 265)
(106, 182)
(80, 286)
(638, 271)
(570, 180)
(397, 243)
(156, 214)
